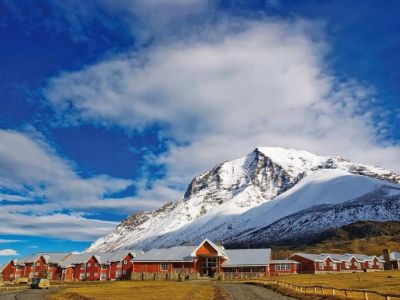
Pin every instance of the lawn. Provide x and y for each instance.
(138, 290)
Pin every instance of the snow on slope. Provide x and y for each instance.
(246, 194)
(380, 205)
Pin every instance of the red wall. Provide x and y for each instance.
(273, 271)
(306, 265)
(9, 272)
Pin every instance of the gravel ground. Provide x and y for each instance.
(251, 292)
(26, 294)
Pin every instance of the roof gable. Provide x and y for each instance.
(208, 244)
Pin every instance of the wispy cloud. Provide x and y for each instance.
(8, 252)
(3, 241)
(31, 170)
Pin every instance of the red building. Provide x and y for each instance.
(88, 266)
(332, 263)
(209, 258)
(283, 267)
(8, 270)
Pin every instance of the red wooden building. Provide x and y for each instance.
(209, 258)
(8, 270)
(88, 266)
(332, 263)
(283, 267)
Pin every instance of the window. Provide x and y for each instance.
(11, 275)
(82, 266)
(124, 272)
(103, 276)
(334, 266)
(164, 267)
(118, 273)
(38, 264)
(50, 275)
(358, 265)
(282, 267)
(347, 265)
(36, 273)
(96, 274)
(321, 265)
(331, 264)
(125, 262)
(89, 264)
(369, 264)
(81, 276)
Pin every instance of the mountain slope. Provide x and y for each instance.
(247, 194)
(368, 237)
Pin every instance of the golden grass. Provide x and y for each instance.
(121, 290)
(387, 282)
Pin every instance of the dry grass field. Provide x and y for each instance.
(387, 282)
(138, 290)
(383, 282)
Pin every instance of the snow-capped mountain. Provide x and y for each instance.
(239, 197)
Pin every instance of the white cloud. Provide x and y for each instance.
(227, 89)
(30, 167)
(63, 226)
(61, 199)
(3, 241)
(8, 252)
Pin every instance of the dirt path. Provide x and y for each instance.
(251, 292)
(26, 295)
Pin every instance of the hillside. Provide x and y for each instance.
(366, 237)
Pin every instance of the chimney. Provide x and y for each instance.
(386, 257)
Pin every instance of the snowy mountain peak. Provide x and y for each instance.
(268, 183)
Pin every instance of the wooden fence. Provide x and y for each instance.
(338, 292)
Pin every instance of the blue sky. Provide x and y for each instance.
(110, 107)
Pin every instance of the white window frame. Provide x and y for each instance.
(164, 266)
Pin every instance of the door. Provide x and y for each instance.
(209, 266)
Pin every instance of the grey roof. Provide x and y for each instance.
(101, 257)
(363, 257)
(180, 253)
(339, 257)
(247, 257)
(393, 256)
(49, 257)
(315, 257)
(118, 255)
(283, 261)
